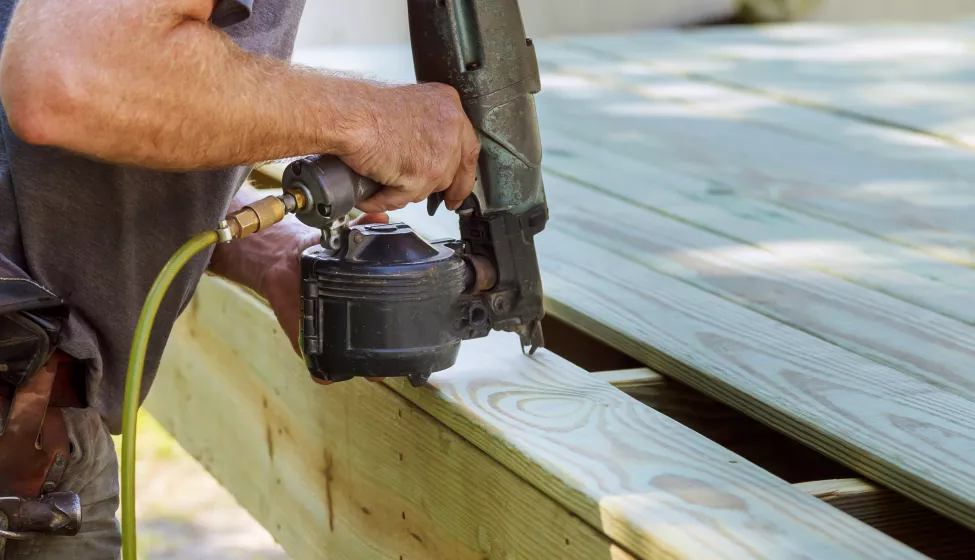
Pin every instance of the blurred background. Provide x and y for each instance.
(331, 22)
(183, 512)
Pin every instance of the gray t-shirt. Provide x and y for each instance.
(97, 234)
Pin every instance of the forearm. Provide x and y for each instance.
(247, 261)
(156, 86)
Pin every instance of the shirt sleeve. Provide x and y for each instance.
(230, 12)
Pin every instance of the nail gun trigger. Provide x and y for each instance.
(433, 202)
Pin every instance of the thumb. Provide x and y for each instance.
(381, 218)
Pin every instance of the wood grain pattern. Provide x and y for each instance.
(349, 471)
(908, 434)
(880, 422)
(650, 483)
(915, 76)
(875, 420)
(916, 526)
(925, 344)
(656, 71)
(885, 197)
(579, 141)
(330, 469)
(795, 239)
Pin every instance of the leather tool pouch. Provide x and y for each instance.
(34, 445)
(30, 324)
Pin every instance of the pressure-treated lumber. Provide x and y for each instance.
(796, 240)
(915, 76)
(626, 146)
(896, 516)
(886, 197)
(634, 379)
(614, 465)
(929, 346)
(880, 190)
(875, 419)
(652, 72)
(347, 471)
(624, 142)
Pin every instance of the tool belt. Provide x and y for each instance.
(37, 381)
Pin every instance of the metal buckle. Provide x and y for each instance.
(57, 513)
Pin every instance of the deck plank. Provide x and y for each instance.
(912, 76)
(574, 468)
(878, 421)
(927, 345)
(896, 200)
(884, 423)
(347, 471)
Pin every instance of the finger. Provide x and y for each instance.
(463, 182)
(451, 170)
(385, 200)
(380, 218)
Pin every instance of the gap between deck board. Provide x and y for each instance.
(914, 525)
(918, 527)
(778, 454)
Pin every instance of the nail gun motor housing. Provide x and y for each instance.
(387, 303)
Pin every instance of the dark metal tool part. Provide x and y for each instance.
(379, 301)
(56, 514)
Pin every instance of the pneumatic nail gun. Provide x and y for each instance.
(379, 300)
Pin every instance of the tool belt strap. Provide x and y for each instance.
(68, 388)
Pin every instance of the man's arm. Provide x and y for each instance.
(153, 84)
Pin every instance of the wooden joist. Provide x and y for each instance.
(908, 522)
(503, 455)
(347, 471)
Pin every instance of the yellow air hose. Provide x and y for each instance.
(133, 379)
(255, 217)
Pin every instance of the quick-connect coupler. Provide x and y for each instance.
(261, 214)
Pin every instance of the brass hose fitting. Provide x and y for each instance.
(261, 214)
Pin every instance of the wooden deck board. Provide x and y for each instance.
(876, 420)
(929, 346)
(571, 467)
(900, 201)
(915, 76)
(348, 471)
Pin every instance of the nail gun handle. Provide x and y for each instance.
(333, 189)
